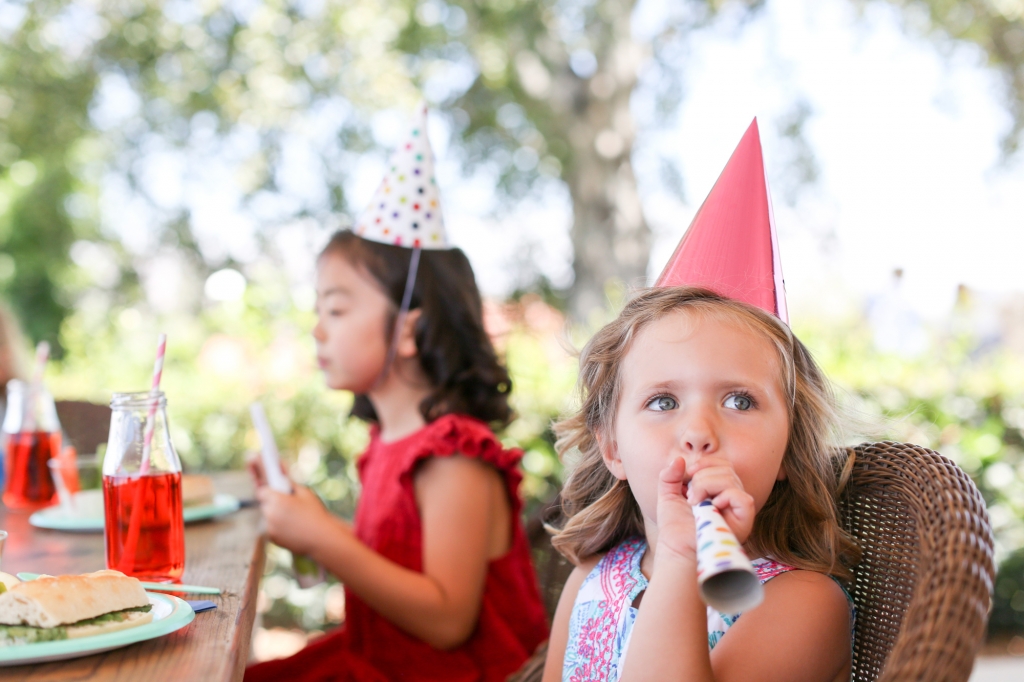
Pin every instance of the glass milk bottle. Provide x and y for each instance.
(32, 437)
(144, 530)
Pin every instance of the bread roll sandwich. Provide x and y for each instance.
(196, 490)
(69, 606)
(7, 580)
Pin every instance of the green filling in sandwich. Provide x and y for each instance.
(26, 634)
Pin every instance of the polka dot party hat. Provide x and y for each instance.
(406, 208)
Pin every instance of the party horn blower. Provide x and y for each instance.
(726, 578)
(307, 572)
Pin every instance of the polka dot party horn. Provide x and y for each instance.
(727, 579)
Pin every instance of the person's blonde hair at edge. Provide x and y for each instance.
(799, 523)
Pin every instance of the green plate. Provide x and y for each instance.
(89, 518)
(169, 614)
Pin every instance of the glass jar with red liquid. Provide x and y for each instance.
(144, 531)
(32, 437)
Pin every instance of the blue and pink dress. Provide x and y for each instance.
(603, 615)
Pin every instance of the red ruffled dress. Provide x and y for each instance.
(512, 621)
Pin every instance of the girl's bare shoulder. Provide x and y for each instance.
(807, 585)
(560, 624)
(579, 573)
(587, 565)
(800, 633)
(806, 594)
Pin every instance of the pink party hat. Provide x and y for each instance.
(731, 247)
(406, 208)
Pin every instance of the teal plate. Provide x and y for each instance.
(169, 614)
(89, 518)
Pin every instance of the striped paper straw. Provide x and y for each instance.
(131, 541)
(158, 370)
(35, 386)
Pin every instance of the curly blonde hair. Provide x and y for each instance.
(798, 524)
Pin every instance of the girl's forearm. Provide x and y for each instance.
(670, 637)
(411, 600)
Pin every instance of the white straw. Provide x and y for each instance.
(268, 449)
(35, 386)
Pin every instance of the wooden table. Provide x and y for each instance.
(227, 553)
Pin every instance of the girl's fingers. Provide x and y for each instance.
(709, 481)
(708, 485)
(675, 472)
(673, 477)
(737, 508)
(734, 500)
(255, 467)
(705, 463)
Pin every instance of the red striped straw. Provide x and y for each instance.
(42, 355)
(131, 540)
(154, 392)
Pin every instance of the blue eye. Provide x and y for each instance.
(739, 401)
(663, 403)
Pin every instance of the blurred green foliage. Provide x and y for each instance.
(958, 397)
(963, 397)
(1007, 616)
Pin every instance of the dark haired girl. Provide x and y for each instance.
(437, 574)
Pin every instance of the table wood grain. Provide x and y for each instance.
(227, 553)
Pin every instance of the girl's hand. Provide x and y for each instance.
(254, 463)
(298, 522)
(714, 478)
(676, 529)
(682, 486)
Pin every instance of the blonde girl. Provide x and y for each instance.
(687, 396)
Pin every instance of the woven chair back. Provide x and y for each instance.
(923, 585)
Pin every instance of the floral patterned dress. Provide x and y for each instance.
(603, 615)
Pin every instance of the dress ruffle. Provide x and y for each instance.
(457, 434)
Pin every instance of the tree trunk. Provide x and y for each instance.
(611, 240)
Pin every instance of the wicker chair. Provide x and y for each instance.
(86, 425)
(923, 586)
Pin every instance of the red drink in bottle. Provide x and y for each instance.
(29, 485)
(160, 547)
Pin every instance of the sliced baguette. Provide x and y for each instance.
(196, 490)
(48, 602)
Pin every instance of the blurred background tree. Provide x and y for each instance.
(996, 26)
(551, 97)
(539, 89)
